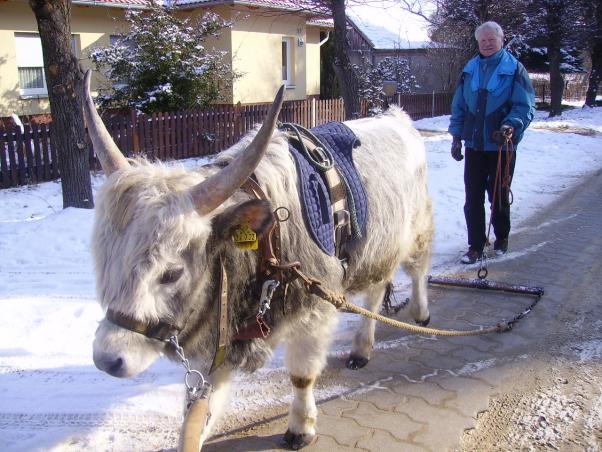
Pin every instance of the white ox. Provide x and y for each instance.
(159, 233)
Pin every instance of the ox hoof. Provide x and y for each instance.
(296, 441)
(424, 322)
(355, 362)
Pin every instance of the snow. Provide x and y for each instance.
(388, 25)
(51, 395)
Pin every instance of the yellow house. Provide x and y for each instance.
(271, 42)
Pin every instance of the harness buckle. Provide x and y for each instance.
(342, 229)
(320, 155)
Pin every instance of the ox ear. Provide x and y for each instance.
(256, 214)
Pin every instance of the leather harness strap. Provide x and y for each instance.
(222, 316)
(159, 330)
(269, 251)
(337, 189)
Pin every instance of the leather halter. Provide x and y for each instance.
(160, 330)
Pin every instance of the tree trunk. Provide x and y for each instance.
(556, 82)
(595, 76)
(346, 75)
(554, 16)
(64, 81)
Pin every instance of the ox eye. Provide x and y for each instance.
(171, 276)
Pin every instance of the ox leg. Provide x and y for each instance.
(364, 337)
(220, 381)
(305, 359)
(417, 268)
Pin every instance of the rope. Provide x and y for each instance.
(339, 301)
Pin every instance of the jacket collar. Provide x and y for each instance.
(506, 66)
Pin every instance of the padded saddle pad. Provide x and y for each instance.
(315, 198)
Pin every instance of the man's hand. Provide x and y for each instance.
(505, 132)
(456, 149)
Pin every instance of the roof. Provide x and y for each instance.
(386, 25)
(113, 3)
(286, 5)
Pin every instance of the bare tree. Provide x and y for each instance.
(346, 75)
(594, 31)
(63, 79)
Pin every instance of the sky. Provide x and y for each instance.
(52, 398)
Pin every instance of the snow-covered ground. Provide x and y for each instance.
(51, 395)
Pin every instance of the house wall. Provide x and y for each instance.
(257, 55)
(92, 25)
(312, 45)
(254, 42)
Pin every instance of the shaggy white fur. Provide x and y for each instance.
(156, 260)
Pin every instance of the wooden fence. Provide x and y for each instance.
(28, 156)
(571, 92)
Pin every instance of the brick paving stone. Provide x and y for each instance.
(384, 442)
(398, 425)
(442, 424)
(337, 406)
(383, 399)
(325, 442)
(440, 361)
(472, 394)
(431, 392)
(494, 376)
(409, 370)
(345, 433)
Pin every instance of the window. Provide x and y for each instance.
(30, 63)
(287, 61)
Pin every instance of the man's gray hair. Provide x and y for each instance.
(491, 25)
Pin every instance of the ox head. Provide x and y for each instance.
(153, 230)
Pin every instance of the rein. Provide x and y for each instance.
(499, 184)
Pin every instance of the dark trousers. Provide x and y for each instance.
(479, 176)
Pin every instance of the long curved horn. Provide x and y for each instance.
(111, 158)
(214, 190)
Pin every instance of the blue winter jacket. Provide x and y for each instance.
(508, 98)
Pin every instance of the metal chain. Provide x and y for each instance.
(202, 388)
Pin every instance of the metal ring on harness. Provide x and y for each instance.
(286, 211)
(193, 389)
(482, 273)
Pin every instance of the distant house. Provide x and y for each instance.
(271, 42)
(379, 30)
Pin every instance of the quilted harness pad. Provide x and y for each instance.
(339, 140)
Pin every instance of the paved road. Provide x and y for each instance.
(538, 387)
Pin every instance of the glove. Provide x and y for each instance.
(499, 136)
(456, 149)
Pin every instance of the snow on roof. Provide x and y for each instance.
(388, 26)
(114, 3)
(288, 5)
(293, 5)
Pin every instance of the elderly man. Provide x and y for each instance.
(494, 100)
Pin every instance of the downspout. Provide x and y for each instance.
(325, 40)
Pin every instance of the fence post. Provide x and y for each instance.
(313, 112)
(433, 105)
(135, 132)
(237, 121)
